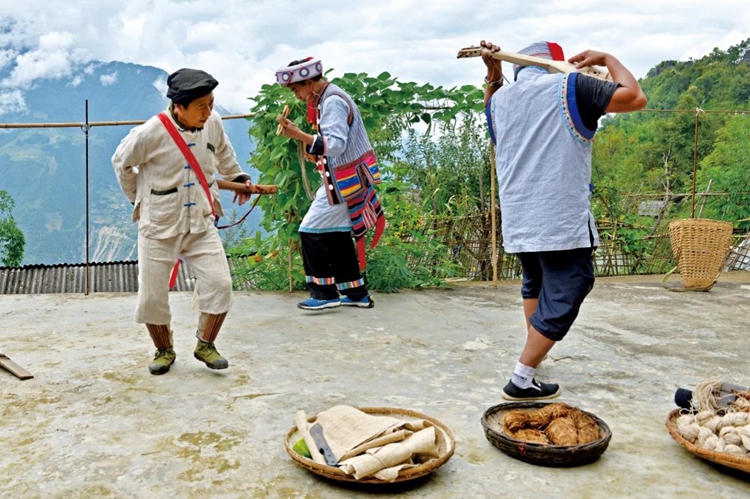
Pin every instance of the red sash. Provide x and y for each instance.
(193, 162)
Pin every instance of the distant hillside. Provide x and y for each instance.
(44, 170)
(652, 152)
(716, 81)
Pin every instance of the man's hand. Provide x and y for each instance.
(628, 97)
(589, 58)
(494, 68)
(288, 129)
(242, 197)
(292, 131)
(494, 77)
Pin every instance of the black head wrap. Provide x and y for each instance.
(186, 85)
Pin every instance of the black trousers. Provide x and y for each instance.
(560, 280)
(331, 265)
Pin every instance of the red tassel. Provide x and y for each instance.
(174, 274)
(361, 254)
(312, 114)
(556, 51)
(379, 228)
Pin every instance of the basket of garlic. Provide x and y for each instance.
(720, 435)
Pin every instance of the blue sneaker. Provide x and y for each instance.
(365, 302)
(316, 304)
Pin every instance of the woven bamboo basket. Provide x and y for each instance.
(700, 247)
(730, 460)
(542, 454)
(334, 473)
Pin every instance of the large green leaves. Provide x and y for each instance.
(12, 239)
(389, 109)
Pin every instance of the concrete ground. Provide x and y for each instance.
(94, 423)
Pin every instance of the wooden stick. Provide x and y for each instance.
(284, 113)
(493, 215)
(528, 60)
(703, 201)
(254, 188)
(291, 266)
(106, 123)
(14, 368)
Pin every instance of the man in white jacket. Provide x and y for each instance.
(175, 217)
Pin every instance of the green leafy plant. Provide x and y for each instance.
(12, 239)
(389, 108)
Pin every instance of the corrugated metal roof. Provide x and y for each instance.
(110, 277)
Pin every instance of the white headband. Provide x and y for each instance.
(300, 72)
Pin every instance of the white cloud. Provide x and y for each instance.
(6, 58)
(11, 102)
(704, 47)
(109, 79)
(242, 42)
(53, 59)
(160, 84)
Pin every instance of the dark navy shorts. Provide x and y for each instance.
(560, 280)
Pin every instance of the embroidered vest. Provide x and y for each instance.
(350, 177)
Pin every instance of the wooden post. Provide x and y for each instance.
(695, 160)
(86, 127)
(291, 267)
(493, 216)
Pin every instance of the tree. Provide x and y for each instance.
(12, 240)
(728, 170)
(451, 172)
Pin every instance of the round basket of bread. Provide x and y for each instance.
(547, 434)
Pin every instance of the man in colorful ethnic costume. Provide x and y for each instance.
(345, 204)
(176, 214)
(543, 126)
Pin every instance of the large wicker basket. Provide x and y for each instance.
(730, 460)
(542, 454)
(334, 473)
(700, 247)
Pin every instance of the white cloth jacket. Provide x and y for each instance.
(167, 196)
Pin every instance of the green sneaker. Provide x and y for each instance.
(206, 352)
(163, 359)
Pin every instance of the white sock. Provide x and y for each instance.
(523, 375)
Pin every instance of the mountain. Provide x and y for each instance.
(44, 169)
(694, 137)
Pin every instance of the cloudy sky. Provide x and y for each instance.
(242, 42)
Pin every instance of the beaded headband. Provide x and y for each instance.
(310, 68)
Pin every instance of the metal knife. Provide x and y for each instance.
(316, 431)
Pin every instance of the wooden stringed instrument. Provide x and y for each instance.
(528, 60)
(254, 188)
